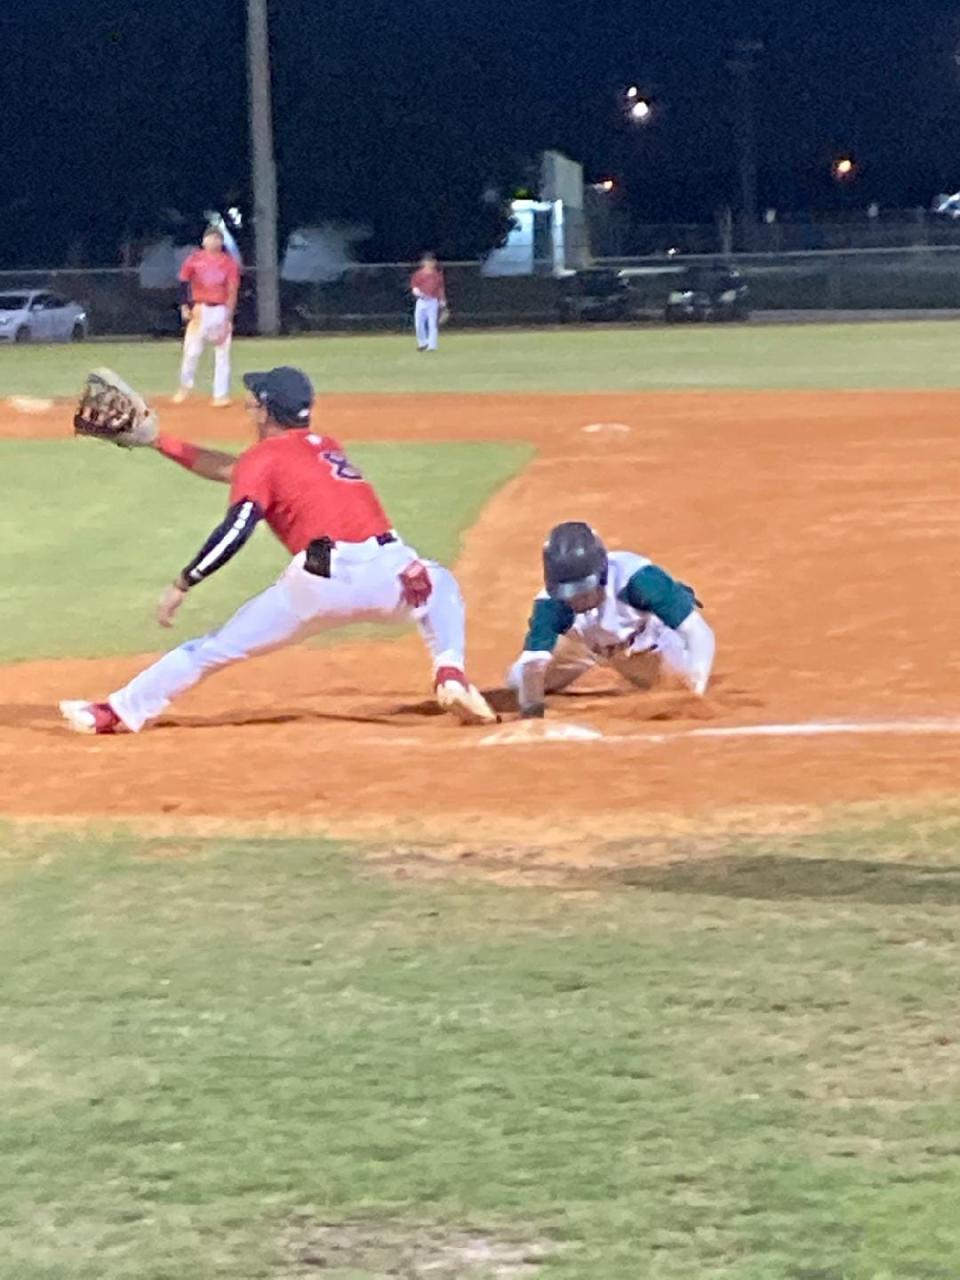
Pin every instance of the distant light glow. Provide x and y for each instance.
(606, 184)
(633, 92)
(844, 167)
(640, 111)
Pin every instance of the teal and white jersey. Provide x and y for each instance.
(636, 591)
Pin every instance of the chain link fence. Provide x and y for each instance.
(919, 279)
(370, 298)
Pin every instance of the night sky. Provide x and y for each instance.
(398, 112)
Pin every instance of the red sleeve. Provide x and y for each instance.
(186, 271)
(234, 271)
(251, 478)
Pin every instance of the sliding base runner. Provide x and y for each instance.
(617, 610)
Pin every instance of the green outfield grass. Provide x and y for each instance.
(90, 537)
(738, 1068)
(915, 354)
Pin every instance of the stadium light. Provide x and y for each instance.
(844, 168)
(606, 184)
(641, 111)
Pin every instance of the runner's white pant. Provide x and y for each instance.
(663, 658)
(426, 317)
(208, 324)
(363, 586)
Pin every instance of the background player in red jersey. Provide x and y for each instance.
(209, 285)
(430, 290)
(347, 563)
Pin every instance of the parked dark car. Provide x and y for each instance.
(596, 294)
(708, 293)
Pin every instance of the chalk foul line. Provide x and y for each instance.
(524, 734)
(527, 733)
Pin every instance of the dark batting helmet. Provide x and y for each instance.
(574, 560)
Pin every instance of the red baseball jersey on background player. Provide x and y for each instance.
(306, 488)
(214, 278)
(429, 283)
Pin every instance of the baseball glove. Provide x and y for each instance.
(111, 410)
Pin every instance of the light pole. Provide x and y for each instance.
(264, 169)
(742, 65)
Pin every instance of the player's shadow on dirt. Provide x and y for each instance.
(781, 878)
(504, 701)
(25, 715)
(251, 719)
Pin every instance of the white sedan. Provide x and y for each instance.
(33, 315)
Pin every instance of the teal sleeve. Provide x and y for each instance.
(651, 590)
(548, 622)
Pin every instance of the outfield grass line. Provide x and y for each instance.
(914, 354)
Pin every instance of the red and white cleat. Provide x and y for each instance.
(91, 717)
(463, 700)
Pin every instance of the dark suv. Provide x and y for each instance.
(596, 294)
(708, 293)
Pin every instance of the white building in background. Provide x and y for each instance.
(549, 235)
(321, 254)
(160, 264)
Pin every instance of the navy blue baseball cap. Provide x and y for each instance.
(286, 393)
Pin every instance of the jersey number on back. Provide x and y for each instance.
(341, 466)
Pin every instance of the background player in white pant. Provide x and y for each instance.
(430, 291)
(618, 610)
(348, 564)
(209, 285)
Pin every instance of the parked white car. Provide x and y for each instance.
(33, 315)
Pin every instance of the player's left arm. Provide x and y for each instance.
(652, 590)
(209, 464)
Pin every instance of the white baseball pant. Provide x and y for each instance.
(426, 318)
(208, 324)
(363, 586)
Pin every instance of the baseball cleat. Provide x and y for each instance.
(90, 717)
(463, 700)
(221, 402)
(180, 396)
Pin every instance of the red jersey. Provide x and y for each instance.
(429, 283)
(214, 278)
(306, 488)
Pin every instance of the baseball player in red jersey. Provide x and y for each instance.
(209, 285)
(348, 563)
(429, 288)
